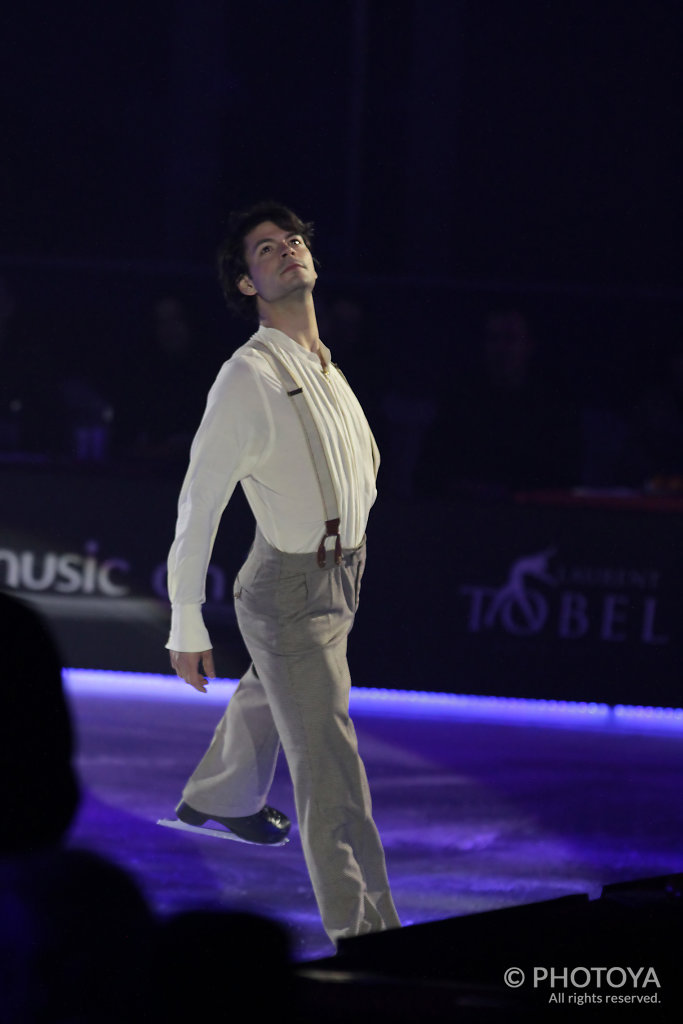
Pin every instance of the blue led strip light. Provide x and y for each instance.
(396, 703)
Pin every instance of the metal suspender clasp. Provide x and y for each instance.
(332, 530)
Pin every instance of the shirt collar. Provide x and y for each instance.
(278, 338)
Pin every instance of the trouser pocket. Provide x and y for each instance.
(360, 569)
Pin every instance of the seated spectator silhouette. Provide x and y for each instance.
(70, 922)
(346, 328)
(215, 959)
(37, 749)
(173, 357)
(30, 411)
(657, 427)
(505, 426)
(78, 942)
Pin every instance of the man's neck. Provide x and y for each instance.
(296, 320)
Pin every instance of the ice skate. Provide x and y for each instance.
(268, 827)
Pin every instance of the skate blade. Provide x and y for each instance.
(217, 833)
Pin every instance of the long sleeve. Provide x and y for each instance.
(234, 432)
(251, 433)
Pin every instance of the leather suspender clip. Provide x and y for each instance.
(332, 527)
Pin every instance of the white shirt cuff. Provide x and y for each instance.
(188, 632)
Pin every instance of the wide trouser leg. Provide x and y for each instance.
(295, 625)
(340, 841)
(235, 775)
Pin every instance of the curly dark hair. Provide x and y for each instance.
(231, 259)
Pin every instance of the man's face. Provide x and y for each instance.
(279, 261)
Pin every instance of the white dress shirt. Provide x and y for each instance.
(251, 433)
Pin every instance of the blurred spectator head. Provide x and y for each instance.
(341, 320)
(173, 326)
(40, 794)
(7, 306)
(200, 943)
(75, 941)
(674, 369)
(508, 348)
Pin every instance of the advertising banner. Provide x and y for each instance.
(557, 602)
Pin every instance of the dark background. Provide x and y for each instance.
(445, 151)
(455, 158)
(530, 141)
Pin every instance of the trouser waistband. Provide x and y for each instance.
(304, 561)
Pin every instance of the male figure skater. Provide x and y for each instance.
(282, 420)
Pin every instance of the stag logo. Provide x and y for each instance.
(521, 608)
(533, 599)
(518, 606)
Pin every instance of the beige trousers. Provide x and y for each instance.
(295, 619)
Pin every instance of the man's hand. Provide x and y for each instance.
(186, 666)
